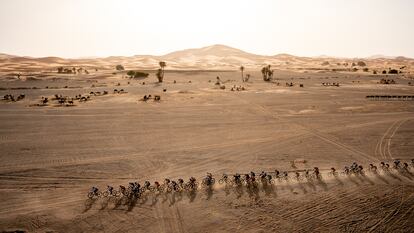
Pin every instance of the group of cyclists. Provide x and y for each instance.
(135, 190)
(356, 169)
(396, 165)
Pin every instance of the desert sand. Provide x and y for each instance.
(52, 155)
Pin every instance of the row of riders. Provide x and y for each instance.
(250, 180)
(62, 100)
(10, 97)
(135, 190)
(356, 169)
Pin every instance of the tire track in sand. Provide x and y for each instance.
(393, 213)
(316, 133)
(391, 136)
(170, 217)
(382, 148)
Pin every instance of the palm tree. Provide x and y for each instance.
(160, 73)
(242, 69)
(264, 73)
(162, 64)
(267, 73)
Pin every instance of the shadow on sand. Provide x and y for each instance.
(88, 204)
(253, 190)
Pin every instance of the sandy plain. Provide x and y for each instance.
(52, 155)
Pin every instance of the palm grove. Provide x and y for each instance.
(139, 74)
(266, 71)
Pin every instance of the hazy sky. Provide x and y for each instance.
(78, 28)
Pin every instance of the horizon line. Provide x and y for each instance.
(321, 56)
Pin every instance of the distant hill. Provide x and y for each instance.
(210, 57)
(5, 56)
(214, 50)
(379, 56)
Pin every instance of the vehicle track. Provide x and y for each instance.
(391, 136)
(402, 218)
(392, 214)
(171, 220)
(378, 148)
(383, 145)
(334, 141)
(394, 220)
(87, 160)
(316, 133)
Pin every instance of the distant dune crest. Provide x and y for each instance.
(211, 57)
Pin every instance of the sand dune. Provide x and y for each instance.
(210, 58)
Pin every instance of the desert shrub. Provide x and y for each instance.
(119, 67)
(393, 71)
(325, 63)
(384, 72)
(131, 73)
(361, 63)
(137, 74)
(67, 71)
(374, 72)
(365, 69)
(246, 79)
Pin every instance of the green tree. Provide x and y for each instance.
(267, 73)
(131, 73)
(119, 67)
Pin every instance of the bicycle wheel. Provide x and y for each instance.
(91, 195)
(117, 193)
(161, 188)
